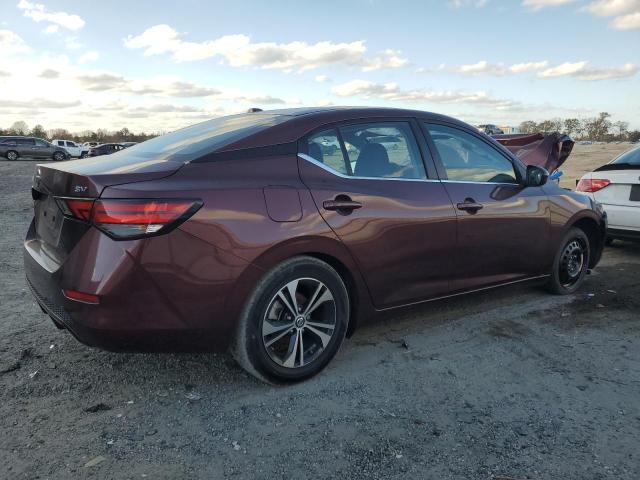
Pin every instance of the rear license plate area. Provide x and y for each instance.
(49, 219)
(635, 193)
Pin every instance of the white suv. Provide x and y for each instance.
(74, 149)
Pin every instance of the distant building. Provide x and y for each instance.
(510, 130)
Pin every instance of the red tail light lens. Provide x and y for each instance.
(81, 296)
(592, 185)
(79, 208)
(128, 219)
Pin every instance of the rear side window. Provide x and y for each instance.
(325, 148)
(9, 142)
(25, 141)
(191, 142)
(71, 144)
(60, 143)
(466, 158)
(373, 150)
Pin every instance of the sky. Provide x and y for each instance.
(156, 66)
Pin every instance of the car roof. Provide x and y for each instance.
(306, 119)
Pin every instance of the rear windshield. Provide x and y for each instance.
(632, 157)
(192, 142)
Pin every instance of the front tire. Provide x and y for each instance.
(11, 155)
(294, 321)
(571, 263)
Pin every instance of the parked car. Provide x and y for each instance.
(90, 144)
(128, 144)
(15, 147)
(235, 233)
(74, 149)
(105, 149)
(490, 129)
(616, 186)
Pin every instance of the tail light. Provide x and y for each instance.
(592, 185)
(129, 219)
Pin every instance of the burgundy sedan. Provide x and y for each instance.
(274, 234)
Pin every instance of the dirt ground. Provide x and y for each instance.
(508, 384)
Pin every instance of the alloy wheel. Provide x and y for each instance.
(12, 156)
(299, 322)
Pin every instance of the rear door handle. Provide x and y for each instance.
(341, 206)
(469, 205)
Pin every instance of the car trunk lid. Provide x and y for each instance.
(54, 233)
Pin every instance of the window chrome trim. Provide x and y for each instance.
(315, 162)
(483, 183)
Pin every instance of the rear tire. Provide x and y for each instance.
(58, 157)
(571, 263)
(11, 155)
(294, 321)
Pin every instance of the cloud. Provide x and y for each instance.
(91, 56)
(239, 51)
(99, 82)
(386, 59)
(37, 102)
(528, 67)
(166, 108)
(467, 3)
(583, 71)
(38, 13)
(188, 89)
(321, 78)
(11, 43)
(626, 13)
(392, 92)
(49, 74)
(540, 4)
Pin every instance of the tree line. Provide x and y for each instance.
(600, 128)
(100, 135)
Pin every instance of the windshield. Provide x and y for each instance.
(632, 157)
(197, 140)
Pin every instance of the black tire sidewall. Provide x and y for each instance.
(556, 285)
(255, 349)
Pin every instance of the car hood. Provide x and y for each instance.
(549, 151)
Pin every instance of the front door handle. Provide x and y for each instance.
(469, 205)
(342, 204)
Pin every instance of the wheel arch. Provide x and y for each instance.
(324, 248)
(595, 232)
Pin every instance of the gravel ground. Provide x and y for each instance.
(509, 384)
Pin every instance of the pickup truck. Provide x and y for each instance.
(74, 149)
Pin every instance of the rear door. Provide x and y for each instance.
(26, 147)
(369, 182)
(503, 226)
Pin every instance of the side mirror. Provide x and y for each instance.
(536, 176)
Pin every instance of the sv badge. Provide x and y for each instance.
(80, 189)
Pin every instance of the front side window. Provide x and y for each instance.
(466, 158)
(71, 144)
(41, 143)
(383, 150)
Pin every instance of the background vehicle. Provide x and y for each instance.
(240, 233)
(15, 147)
(490, 129)
(74, 149)
(616, 186)
(105, 149)
(128, 144)
(90, 144)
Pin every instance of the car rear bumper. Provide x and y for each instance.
(143, 305)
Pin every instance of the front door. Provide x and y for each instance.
(369, 183)
(503, 226)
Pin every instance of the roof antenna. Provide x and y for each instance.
(254, 110)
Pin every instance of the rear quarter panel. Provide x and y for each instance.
(235, 222)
